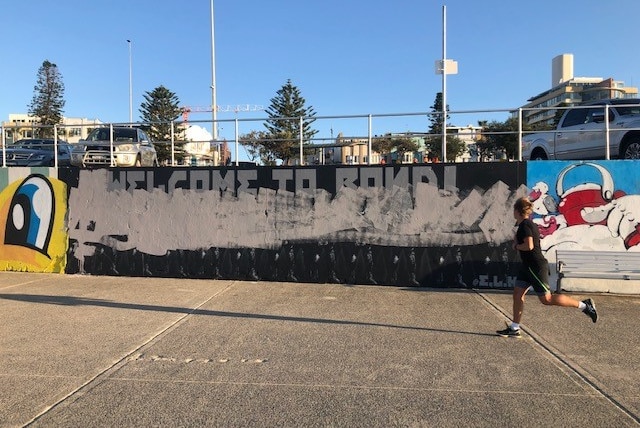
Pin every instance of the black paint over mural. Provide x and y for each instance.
(348, 257)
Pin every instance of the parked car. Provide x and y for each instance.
(582, 133)
(37, 152)
(127, 146)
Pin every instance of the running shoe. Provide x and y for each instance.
(590, 310)
(509, 332)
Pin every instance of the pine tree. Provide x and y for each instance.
(160, 108)
(436, 116)
(48, 99)
(283, 125)
(455, 147)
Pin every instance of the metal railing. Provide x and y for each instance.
(356, 130)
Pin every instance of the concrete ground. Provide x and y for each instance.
(80, 351)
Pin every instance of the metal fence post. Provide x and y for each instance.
(173, 153)
(111, 163)
(301, 149)
(55, 145)
(520, 134)
(607, 155)
(369, 142)
(236, 140)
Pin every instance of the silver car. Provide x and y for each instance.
(126, 146)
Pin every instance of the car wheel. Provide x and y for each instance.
(631, 149)
(539, 154)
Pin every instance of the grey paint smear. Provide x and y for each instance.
(155, 221)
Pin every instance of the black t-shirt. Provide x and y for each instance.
(535, 256)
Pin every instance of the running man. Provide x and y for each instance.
(534, 272)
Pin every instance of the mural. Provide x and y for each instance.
(33, 209)
(441, 225)
(428, 224)
(586, 205)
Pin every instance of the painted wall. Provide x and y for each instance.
(432, 224)
(588, 205)
(440, 225)
(33, 207)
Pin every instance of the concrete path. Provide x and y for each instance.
(79, 351)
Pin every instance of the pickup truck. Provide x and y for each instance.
(582, 133)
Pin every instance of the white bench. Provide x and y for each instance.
(599, 271)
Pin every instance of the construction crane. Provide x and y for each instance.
(186, 110)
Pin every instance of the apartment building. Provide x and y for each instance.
(567, 90)
(72, 129)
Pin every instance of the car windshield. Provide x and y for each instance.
(119, 134)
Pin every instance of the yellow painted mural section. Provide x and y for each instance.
(33, 231)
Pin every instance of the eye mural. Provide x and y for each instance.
(31, 215)
(34, 237)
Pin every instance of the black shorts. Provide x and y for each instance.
(535, 276)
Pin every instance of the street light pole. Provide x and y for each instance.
(444, 67)
(444, 83)
(130, 85)
(214, 104)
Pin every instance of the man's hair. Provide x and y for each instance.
(524, 206)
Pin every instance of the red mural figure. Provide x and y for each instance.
(592, 203)
(586, 203)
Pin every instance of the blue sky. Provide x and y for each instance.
(352, 57)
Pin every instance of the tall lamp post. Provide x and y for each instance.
(444, 67)
(214, 104)
(130, 85)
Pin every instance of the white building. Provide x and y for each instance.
(198, 146)
(469, 135)
(72, 129)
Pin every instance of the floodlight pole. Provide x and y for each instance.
(444, 83)
(130, 85)
(214, 104)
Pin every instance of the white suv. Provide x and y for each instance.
(124, 147)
